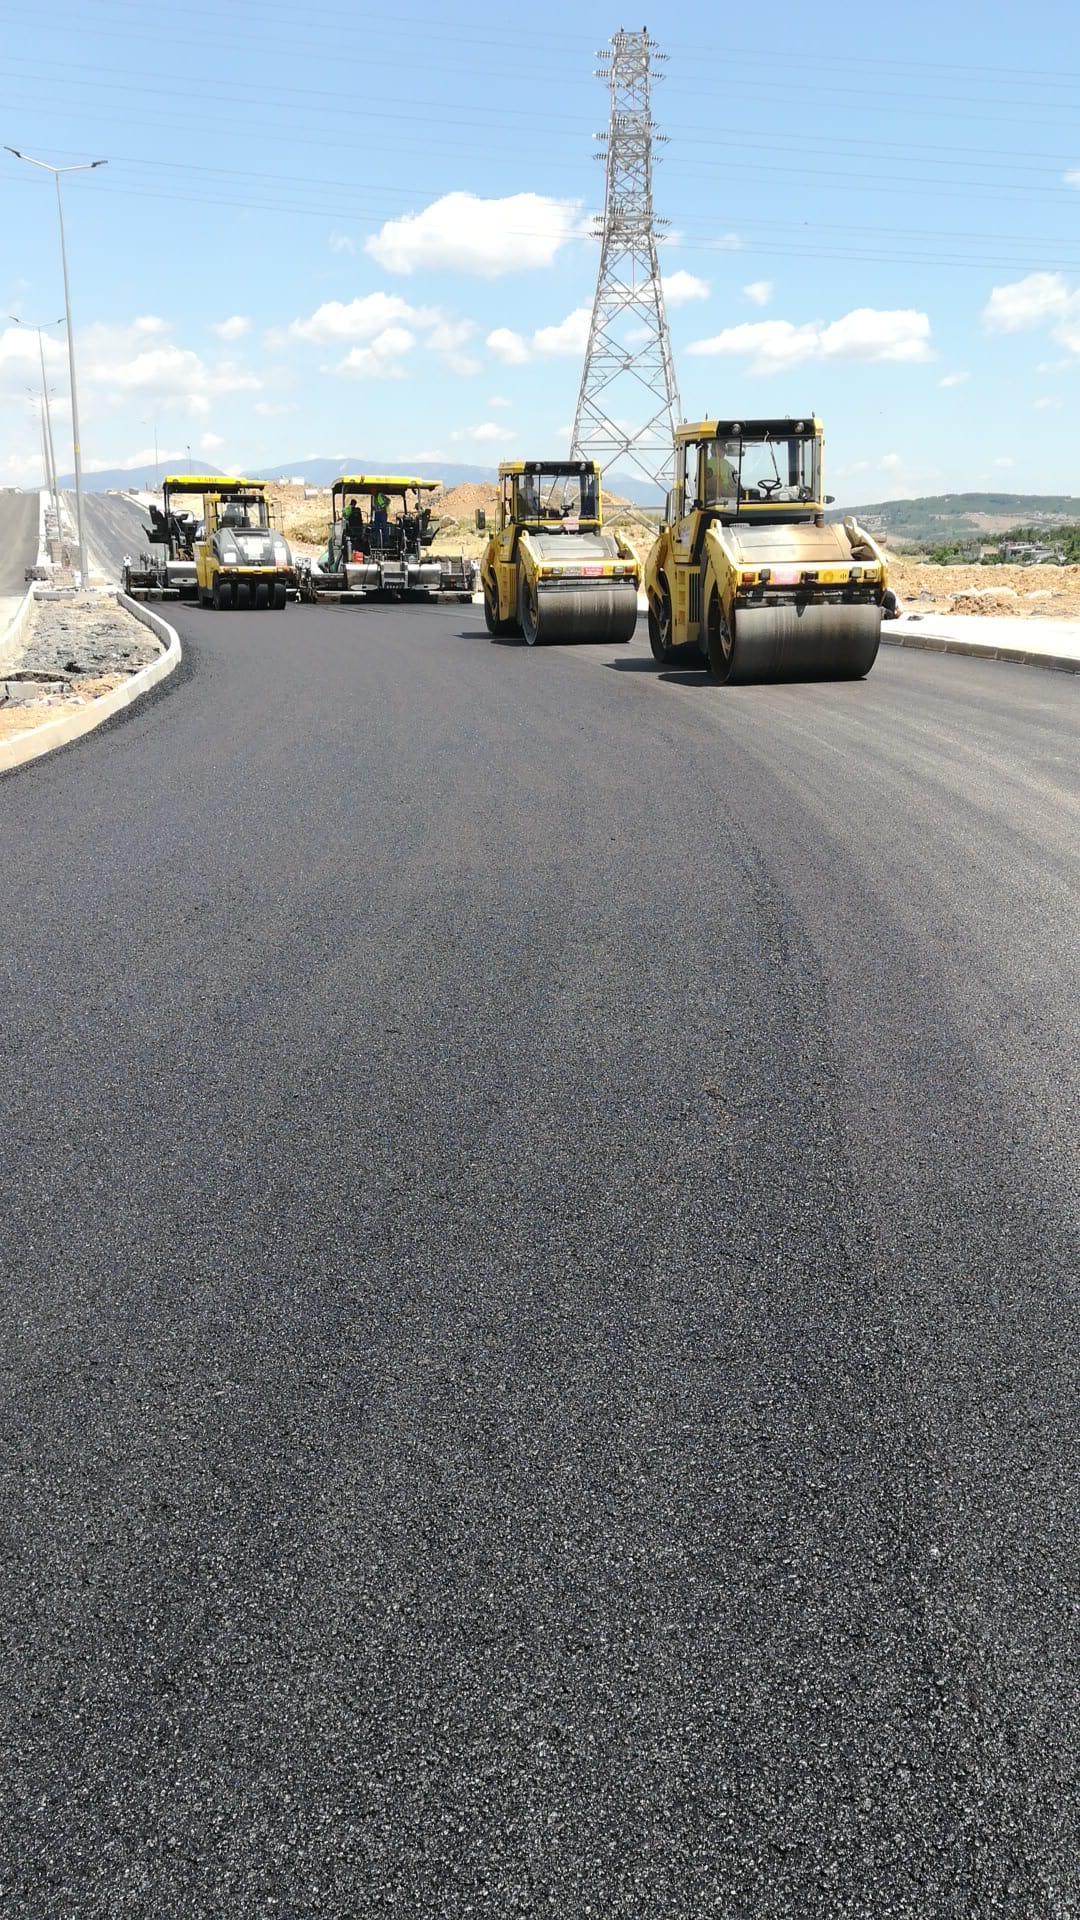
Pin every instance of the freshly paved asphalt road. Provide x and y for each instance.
(539, 1353)
(115, 528)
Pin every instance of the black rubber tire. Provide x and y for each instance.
(281, 594)
(496, 627)
(528, 612)
(262, 595)
(222, 594)
(660, 630)
(243, 595)
(719, 646)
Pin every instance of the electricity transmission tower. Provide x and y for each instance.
(628, 402)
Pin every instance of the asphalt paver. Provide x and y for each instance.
(539, 1351)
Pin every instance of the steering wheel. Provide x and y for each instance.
(768, 487)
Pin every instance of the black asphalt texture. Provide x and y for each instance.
(116, 529)
(539, 1342)
(18, 540)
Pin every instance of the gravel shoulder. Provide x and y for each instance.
(76, 648)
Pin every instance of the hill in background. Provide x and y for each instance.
(939, 518)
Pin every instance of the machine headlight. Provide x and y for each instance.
(281, 553)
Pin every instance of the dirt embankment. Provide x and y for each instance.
(1027, 592)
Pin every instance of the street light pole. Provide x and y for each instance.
(52, 482)
(87, 167)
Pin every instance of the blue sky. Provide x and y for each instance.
(875, 215)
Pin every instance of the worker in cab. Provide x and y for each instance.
(721, 470)
(354, 527)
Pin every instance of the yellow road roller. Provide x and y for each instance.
(746, 577)
(549, 570)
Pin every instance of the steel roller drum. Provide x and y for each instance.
(604, 612)
(816, 641)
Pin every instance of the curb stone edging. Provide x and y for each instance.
(1015, 656)
(12, 634)
(37, 741)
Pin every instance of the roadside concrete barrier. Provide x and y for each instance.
(11, 637)
(21, 747)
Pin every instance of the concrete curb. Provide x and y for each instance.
(980, 650)
(10, 638)
(37, 741)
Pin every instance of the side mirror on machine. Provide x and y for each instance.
(829, 498)
(481, 520)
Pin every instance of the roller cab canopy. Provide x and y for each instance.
(752, 469)
(549, 494)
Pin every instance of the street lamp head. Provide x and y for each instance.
(84, 166)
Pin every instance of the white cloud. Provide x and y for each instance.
(727, 243)
(210, 442)
(119, 364)
(865, 334)
(425, 457)
(1040, 299)
(508, 346)
(342, 243)
(1048, 403)
(567, 338)
(271, 408)
(1072, 178)
(889, 462)
(1003, 460)
(360, 319)
(759, 292)
(382, 359)
(870, 333)
(465, 233)
(570, 336)
(499, 400)
(233, 328)
(954, 379)
(490, 433)
(679, 287)
(1028, 302)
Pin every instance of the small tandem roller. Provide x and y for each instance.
(746, 574)
(550, 571)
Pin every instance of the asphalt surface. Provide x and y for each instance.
(115, 529)
(539, 1351)
(18, 541)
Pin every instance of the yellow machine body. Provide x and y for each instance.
(747, 574)
(550, 571)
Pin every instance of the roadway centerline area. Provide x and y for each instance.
(540, 1244)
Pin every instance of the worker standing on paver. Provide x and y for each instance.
(379, 519)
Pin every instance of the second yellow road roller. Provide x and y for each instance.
(549, 570)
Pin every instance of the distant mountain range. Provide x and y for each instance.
(320, 473)
(934, 518)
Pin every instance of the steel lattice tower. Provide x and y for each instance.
(629, 375)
